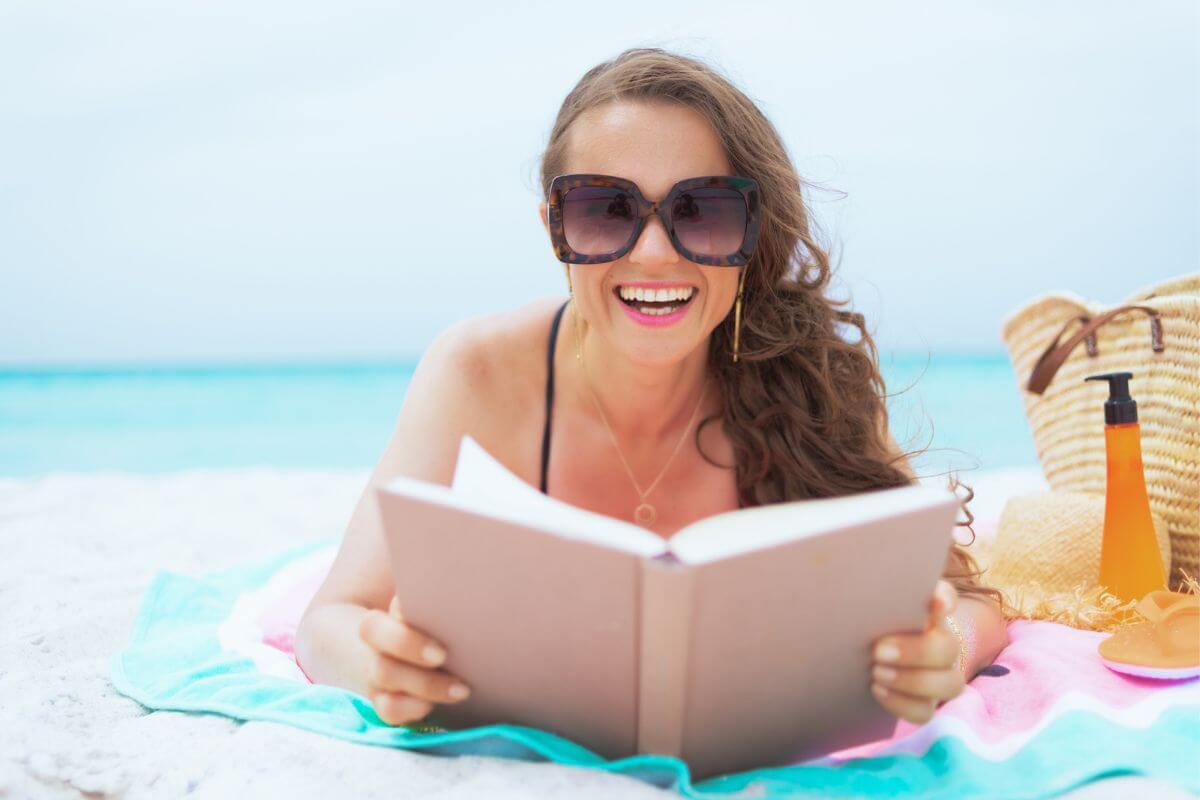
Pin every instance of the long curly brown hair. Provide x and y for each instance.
(804, 408)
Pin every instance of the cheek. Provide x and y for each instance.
(721, 285)
(592, 289)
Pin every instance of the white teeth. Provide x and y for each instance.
(656, 296)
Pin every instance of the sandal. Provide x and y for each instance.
(1166, 646)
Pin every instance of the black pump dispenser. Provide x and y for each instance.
(1119, 408)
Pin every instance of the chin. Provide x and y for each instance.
(658, 351)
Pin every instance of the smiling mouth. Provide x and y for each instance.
(655, 302)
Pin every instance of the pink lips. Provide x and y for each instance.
(659, 320)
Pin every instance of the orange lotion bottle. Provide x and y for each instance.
(1130, 564)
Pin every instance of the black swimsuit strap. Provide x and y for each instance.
(550, 391)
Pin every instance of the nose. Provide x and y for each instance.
(653, 246)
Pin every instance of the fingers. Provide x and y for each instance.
(399, 709)
(949, 596)
(392, 637)
(945, 601)
(918, 710)
(936, 649)
(935, 684)
(402, 681)
(387, 674)
(914, 672)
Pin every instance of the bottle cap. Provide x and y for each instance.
(1119, 408)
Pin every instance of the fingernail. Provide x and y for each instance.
(887, 652)
(433, 654)
(878, 690)
(459, 691)
(885, 674)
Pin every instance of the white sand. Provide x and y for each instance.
(79, 551)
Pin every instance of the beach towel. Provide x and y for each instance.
(1046, 717)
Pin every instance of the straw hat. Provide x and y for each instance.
(1045, 558)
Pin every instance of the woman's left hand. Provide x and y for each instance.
(913, 672)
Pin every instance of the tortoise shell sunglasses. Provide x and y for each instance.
(711, 220)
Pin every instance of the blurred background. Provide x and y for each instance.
(229, 230)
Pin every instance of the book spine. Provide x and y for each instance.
(663, 655)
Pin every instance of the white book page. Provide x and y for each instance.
(488, 485)
(741, 531)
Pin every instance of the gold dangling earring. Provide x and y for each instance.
(737, 315)
(574, 312)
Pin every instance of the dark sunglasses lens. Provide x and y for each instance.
(710, 221)
(598, 220)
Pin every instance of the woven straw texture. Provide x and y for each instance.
(1053, 539)
(1067, 420)
(1045, 559)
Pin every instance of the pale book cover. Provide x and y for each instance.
(743, 640)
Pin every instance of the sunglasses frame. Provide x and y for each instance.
(746, 187)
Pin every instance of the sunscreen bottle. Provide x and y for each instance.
(1130, 564)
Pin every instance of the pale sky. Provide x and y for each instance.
(232, 181)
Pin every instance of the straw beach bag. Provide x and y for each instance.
(1155, 334)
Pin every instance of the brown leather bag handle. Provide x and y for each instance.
(1054, 355)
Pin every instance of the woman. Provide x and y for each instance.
(725, 320)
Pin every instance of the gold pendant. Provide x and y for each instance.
(644, 514)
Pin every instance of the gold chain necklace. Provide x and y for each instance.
(644, 514)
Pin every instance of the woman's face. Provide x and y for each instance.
(655, 145)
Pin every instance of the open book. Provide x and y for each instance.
(743, 640)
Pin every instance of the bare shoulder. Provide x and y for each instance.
(483, 376)
(496, 352)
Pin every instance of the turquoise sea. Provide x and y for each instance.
(156, 419)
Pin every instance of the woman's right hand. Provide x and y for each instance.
(403, 681)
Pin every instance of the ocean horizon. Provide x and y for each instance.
(162, 417)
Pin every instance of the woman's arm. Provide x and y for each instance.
(329, 646)
(914, 673)
(978, 619)
(983, 631)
